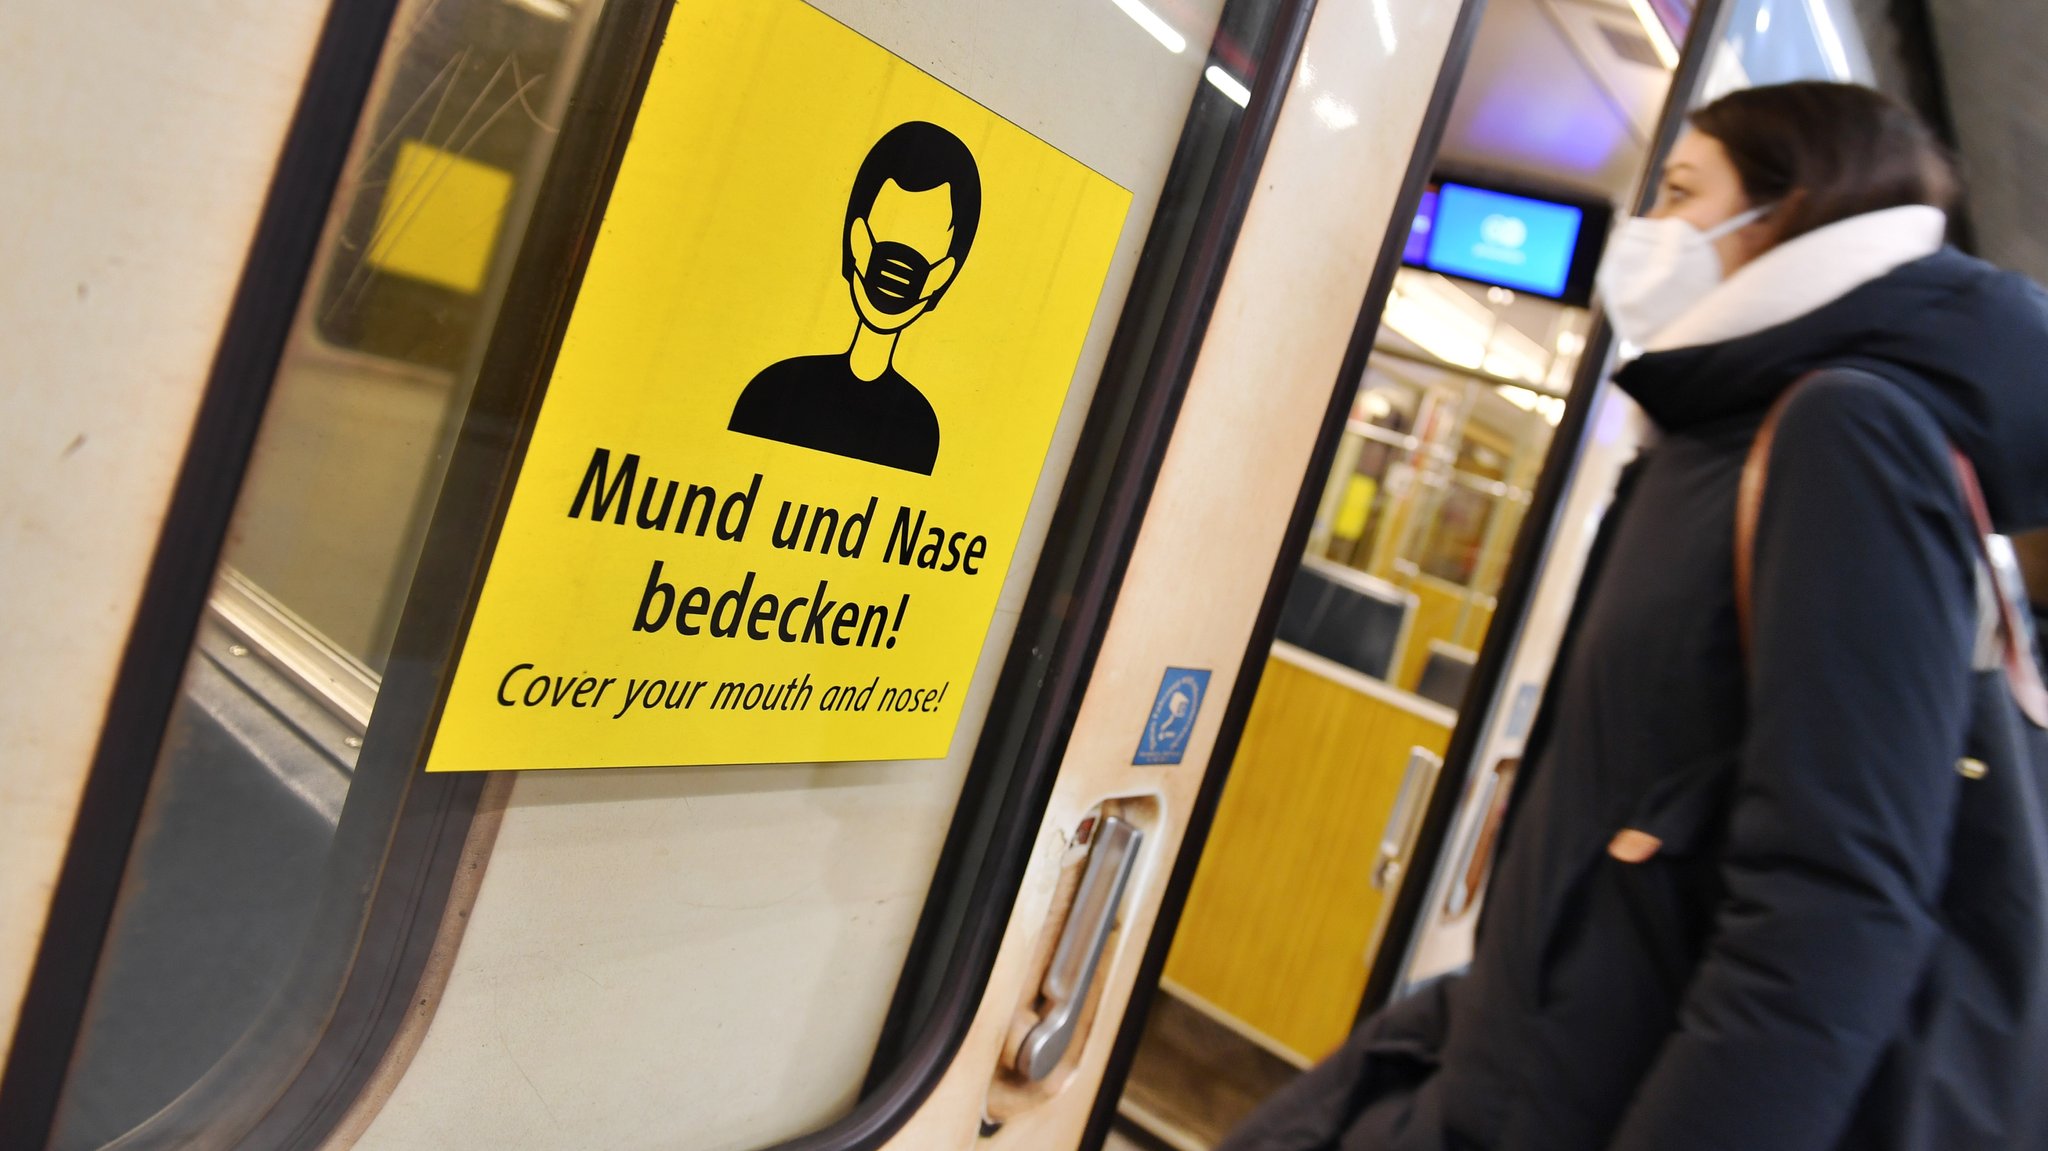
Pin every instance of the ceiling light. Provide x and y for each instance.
(1653, 27)
(1438, 317)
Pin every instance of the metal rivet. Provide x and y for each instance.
(1972, 768)
(237, 649)
(353, 740)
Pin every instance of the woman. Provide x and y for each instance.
(1721, 896)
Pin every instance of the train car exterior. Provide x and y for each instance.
(857, 780)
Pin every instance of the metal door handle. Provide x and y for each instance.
(1460, 895)
(1079, 952)
(1404, 822)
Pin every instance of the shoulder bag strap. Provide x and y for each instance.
(2021, 672)
(1749, 508)
(2020, 669)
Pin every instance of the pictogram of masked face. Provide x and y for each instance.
(910, 221)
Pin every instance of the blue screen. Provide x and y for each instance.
(1500, 239)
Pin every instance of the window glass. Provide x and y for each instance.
(226, 876)
(420, 243)
(1433, 474)
(1777, 41)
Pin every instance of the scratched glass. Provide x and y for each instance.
(262, 747)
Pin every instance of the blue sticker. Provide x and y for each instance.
(1173, 716)
(1522, 712)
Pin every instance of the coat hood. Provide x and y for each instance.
(1967, 340)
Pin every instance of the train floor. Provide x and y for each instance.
(1195, 1078)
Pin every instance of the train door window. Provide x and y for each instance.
(231, 875)
(376, 378)
(1453, 423)
(294, 745)
(1776, 41)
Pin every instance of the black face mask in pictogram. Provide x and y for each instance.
(895, 277)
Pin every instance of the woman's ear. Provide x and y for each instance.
(1754, 239)
(1770, 231)
(1739, 247)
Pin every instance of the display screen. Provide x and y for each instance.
(1498, 238)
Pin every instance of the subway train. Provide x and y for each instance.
(803, 574)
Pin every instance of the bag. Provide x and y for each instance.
(1360, 1095)
(1970, 1070)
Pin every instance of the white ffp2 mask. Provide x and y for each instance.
(1656, 269)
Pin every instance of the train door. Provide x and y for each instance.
(298, 910)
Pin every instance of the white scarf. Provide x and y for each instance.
(1807, 272)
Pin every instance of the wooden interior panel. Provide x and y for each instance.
(1440, 613)
(1283, 911)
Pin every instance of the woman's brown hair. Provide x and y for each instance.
(1826, 152)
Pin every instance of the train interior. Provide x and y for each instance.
(245, 893)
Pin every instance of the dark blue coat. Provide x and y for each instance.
(1738, 991)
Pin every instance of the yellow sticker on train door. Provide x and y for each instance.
(802, 402)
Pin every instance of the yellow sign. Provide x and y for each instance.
(803, 399)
